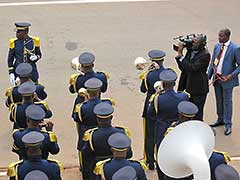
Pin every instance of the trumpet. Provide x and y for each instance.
(142, 64)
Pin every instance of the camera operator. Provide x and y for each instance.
(193, 65)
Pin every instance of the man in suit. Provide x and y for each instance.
(224, 69)
(194, 66)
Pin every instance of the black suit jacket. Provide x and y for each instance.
(194, 78)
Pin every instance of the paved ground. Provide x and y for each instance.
(117, 33)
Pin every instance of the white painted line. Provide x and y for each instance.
(70, 2)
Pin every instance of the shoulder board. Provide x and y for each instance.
(168, 131)
(126, 130)
(226, 155)
(43, 103)
(58, 163)
(142, 75)
(9, 91)
(16, 130)
(105, 73)
(12, 168)
(98, 170)
(73, 78)
(87, 135)
(11, 43)
(109, 99)
(52, 136)
(36, 41)
(188, 94)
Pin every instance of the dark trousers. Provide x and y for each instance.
(199, 101)
(224, 103)
(148, 140)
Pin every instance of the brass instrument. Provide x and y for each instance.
(75, 64)
(142, 64)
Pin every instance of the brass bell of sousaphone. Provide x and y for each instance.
(75, 64)
(186, 150)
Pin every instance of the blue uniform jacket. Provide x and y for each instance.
(17, 113)
(13, 96)
(77, 81)
(112, 166)
(147, 86)
(83, 114)
(20, 169)
(163, 110)
(50, 144)
(16, 54)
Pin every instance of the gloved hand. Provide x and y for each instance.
(33, 57)
(12, 79)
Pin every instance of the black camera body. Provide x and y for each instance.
(187, 41)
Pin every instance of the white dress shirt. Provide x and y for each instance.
(219, 67)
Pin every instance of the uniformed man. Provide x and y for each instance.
(23, 71)
(226, 172)
(35, 116)
(187, 111)
(119, 144)
(77, 81)
(147, 86)
(83, 113)
(126, 173)
(96, 147)
(17, 111)
(163, 109)
(23, 48)
(19, 170)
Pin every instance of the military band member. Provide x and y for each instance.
(21, 169)
(106, 169)
(77, 81)
(35, 120)
(17, 111)
(23, 71)
(83, 114)
(147, 86)
(96, 147)
(23, 48)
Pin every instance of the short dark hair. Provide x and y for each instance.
(226, 31)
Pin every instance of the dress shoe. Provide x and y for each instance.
(227, 131)
(151, 166)
(217, 123)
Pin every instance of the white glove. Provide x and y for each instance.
(33, 57)
(12, 79)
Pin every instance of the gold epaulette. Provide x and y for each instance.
(98, 170)
(12, 168)
(16, 130)
(188, 94)
(58, 163)
(126, 130)
(226, 155)
(142, 75)
(36, 41)
(168, 131)
(12, 43)
(52, 136)
(105, 73)
(87, 135)
(8, 92)
(109, 99)
(43, 103)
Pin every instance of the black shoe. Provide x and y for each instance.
(217, 123)
(227, 131)
(151, 166)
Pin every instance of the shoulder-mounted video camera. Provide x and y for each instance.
(187, 41)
